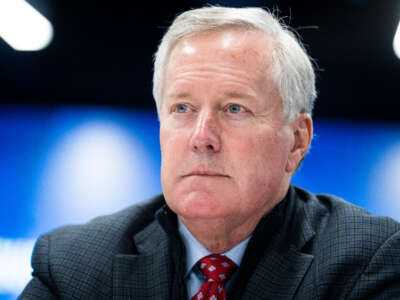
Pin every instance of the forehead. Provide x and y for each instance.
(246, 48)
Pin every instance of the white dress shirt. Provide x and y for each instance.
(195, 251)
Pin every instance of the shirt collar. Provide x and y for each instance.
(196, 251)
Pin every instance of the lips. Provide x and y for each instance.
(205, 173)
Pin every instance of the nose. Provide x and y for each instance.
(205, 136)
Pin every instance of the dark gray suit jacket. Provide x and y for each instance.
(329, 250)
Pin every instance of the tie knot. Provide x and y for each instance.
(216, 267)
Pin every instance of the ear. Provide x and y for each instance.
(302, 130)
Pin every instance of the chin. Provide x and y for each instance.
(199, 205)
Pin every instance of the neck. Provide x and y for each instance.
(219, 235)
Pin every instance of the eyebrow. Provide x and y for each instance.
(234, 95)
(237, 95)
(181, 95)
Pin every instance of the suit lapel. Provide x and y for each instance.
(284, 263)
(147, 275)
(278, 273)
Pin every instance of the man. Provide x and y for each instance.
(234, 91)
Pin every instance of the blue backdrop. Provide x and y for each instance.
(66, 165)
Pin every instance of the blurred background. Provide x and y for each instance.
(79, 131)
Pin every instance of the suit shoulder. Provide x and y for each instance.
(344, 231)
(328, 213)
(82, 255)
(113, 230)
(348, 243)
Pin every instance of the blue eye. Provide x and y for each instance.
(235, 108)
(181, 108)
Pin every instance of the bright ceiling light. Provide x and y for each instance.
(23, 27)
(396, 42)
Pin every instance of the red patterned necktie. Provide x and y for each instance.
(217, 269)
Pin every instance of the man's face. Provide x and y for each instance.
(226, 150)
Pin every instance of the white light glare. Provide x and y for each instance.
(396, 42)
(23, 27)
(94, 170)
(15, 271)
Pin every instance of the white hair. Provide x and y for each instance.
(292, 70)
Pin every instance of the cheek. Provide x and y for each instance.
(166, 151)
(172, 147)
(253, 147)
(259, 157)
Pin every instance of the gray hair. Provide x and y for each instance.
(292, 70)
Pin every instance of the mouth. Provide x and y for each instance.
(205, 173)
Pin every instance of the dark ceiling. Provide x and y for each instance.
(102, 53)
